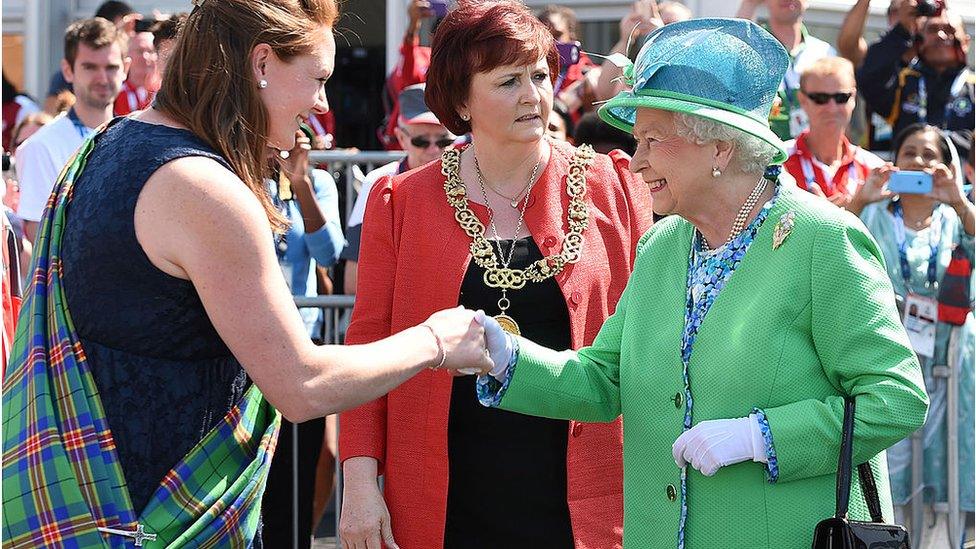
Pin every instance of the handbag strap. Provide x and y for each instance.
(843, 494)
(869, 488)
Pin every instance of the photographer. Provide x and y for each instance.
(410, 70)
(936, 87)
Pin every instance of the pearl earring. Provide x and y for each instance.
(716, 172)
(284, 154)
(465, 117)
(263, 84)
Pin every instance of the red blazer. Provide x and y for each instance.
(412, 261)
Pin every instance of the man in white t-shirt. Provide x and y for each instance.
(424, 138)
(94, 63)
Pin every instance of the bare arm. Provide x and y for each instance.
(850, 40)
(641, 21)
(747, 9)
(214, 232)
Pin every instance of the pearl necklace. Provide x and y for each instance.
(740, 218)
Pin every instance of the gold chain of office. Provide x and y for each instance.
(577, 218)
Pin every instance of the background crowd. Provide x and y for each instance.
(853, 114)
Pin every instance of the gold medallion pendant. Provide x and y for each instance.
(508, 324)
(497, 271)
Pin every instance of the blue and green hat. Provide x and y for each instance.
(726, 70)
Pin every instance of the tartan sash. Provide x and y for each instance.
(62, 480)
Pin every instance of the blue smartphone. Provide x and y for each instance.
(909, 182)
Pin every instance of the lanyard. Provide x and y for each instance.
(935, 237)
(923, 97)
(811, 179)
(83, 130)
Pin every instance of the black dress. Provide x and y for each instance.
(507, 483)
(164, 375)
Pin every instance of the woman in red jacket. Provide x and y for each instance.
(537, 232)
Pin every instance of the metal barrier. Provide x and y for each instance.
(950, 374)
(333, 307)
(347, 164)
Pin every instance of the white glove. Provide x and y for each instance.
(499, 343)
(713, 444)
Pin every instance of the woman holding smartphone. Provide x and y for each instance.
(918, 234)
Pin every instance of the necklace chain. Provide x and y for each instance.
(491, 213)
(740, 218)
(483, 253)
(513, 200)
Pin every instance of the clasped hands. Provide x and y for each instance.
(486, 348)
(470, 342)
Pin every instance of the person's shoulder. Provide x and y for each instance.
(665, 232)
(419, 179)
(818, 217)
(384, 170)
(58, 133)
(199, 173)
(821, 47)
(601, 164)
(867, 158)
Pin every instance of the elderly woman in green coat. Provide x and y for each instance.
(752, 312)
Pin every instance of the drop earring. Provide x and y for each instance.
(263, 84)
(716, 172)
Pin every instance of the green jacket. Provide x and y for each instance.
(795, 329)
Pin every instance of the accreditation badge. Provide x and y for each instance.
(921, 314)
(799, 121)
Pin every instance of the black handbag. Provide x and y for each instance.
(839, 532)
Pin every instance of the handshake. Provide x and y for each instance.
(470, 342)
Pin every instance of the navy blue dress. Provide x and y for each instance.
(164, 375)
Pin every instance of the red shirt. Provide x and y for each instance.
(323, 125)
(407, 276)
(412, 69)
(132, 99)
(812, 175)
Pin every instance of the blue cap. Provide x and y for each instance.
(726, 70)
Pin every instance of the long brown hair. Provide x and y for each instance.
(209, 86)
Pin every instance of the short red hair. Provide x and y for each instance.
(479, 36)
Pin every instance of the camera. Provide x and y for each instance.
(929, 8)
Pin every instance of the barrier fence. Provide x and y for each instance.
(351, 167)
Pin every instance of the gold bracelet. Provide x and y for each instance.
(440, 348)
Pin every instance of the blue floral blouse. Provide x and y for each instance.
(708, 273)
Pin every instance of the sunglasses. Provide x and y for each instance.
(824, 98)
(422, 142)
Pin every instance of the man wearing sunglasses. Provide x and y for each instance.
(937, 87)
(822, 160)
(424, 138)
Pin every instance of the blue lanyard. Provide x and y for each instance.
(83, 130)
(935, 238)
(923, 97)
